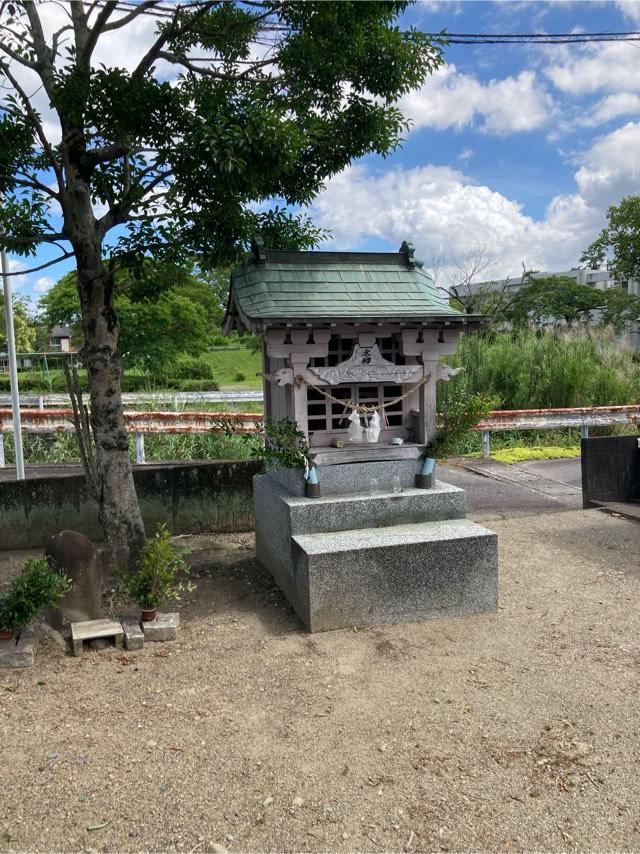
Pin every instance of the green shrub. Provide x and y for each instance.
(239, 377)
(459, 413)
(193, 385)
(161, 575)
(191, 368)
(38, 586)
(221, 341)
(285, 446)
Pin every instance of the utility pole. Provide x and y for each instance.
(13, 366)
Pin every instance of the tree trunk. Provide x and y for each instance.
(119, 511)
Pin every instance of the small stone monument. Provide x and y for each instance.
(352, 350)
(75, 555)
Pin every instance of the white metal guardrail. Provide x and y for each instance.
(50, 421)
(554, 419)
(174, 398)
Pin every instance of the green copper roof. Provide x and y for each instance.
(314, 287)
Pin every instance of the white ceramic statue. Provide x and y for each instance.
(373, 430)
(354, 433)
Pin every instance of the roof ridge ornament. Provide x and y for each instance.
(257, 247)
(408, 250)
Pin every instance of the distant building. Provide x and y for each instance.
(60, 338)
(599, 279)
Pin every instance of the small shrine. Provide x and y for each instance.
(352, 350)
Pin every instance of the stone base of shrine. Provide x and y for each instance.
(373, 556)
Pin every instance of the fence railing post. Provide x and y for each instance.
(2, 461)
(584, 431)
(140, 448)
(486, 443)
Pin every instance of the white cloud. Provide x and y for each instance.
(450, 99)
(443, 211)
(601, 67)
(42, 285)
(465, 155)
(630, 9)
(15, 266)
(611, 168)
(614, 106)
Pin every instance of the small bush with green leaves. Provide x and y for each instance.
(286, 446)
(162, 574)
(38, 586)
(460, 412)
(191, 368)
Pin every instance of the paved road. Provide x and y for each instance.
(498, 491)
(563, 471)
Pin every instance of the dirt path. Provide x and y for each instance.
(514, 731)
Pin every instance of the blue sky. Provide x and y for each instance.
(515, 151)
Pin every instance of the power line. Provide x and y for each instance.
(536, 38)
(162, 10)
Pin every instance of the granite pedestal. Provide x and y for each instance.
(365, 553)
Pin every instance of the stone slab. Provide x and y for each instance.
(20, 652)
(395, 574)
(133, 634)
(352, 478)
(163, 628)
(89, 630)
(352, 512)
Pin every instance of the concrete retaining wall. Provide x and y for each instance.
(188, 496)
(610, 469)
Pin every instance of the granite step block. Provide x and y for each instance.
(133, 635)
(20, 651)
(394, 574)
(383, 508)
(163, 628)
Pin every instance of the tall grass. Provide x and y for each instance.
(529, 369)
(63, 448)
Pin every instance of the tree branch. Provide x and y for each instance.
(24, 180)
(44, 65)
(172, 30)
(11, 52)
(125, 19)
(37, 238)
(35, 121)
(94, 156)
(55, 39)
(97, 29)
(80, 28)
(62, 257)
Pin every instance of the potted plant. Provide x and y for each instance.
(161, 575)
(38, 586)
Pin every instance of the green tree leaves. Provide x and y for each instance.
(158, 321)
(619, 243)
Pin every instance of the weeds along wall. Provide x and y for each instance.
(529, 369)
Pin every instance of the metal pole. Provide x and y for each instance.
(140, 458)
(13, 366)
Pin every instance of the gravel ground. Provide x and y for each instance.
(513, 731)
